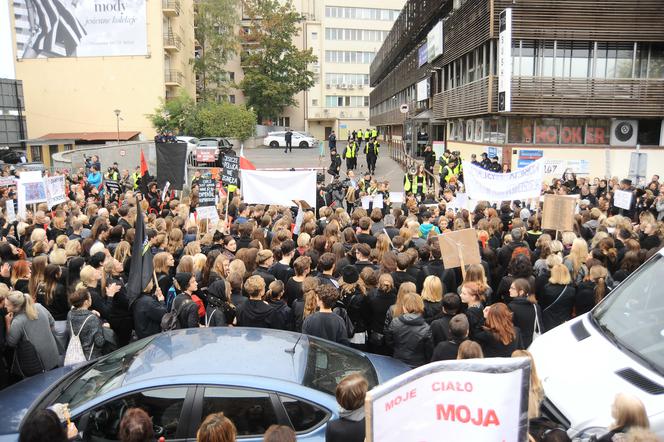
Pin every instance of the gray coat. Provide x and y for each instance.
(91, 334)
(39, 332)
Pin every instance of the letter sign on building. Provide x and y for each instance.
(505, 62)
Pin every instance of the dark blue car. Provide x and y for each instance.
(257, 377)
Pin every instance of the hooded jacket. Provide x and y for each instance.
(217, 299)
(410, 337)
(255, 313)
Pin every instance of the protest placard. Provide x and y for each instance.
(278, 187)
(113, 186)
(622, 199)
(207, 212)
(482, 185)
(558, 212)
(11, 213)
(376, 200)
(465, 400)
(7, 181)
(459, 248)
(230, 174)
(206, 192)
(55, 191)
(396, 197)
(33, 187)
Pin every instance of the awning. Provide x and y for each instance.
(426, 115)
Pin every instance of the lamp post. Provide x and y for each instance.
(117, 121)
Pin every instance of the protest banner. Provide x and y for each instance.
(10, 212)
(55, 191)
(556, 168)
(7, 181)
(397, 197)
(33, 186)
(113, 186)
(464, 400)
(230, 174)
(622, 199)
(482, 185)
(278, 187)
(206, 192)
(459, 248)
(558, 212)
(376, 200)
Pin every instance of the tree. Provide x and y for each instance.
(275, 70)
(222, 120)
(173, 115)
(216, 22)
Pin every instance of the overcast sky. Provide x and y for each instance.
(6, 62)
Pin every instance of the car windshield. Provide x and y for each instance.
(633, 315)
(208, 143)
(328, 363)
(102, 376)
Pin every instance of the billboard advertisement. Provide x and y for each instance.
(435, 42)
(423, 90)
(505, 62)
(68, 28)
(422, 55)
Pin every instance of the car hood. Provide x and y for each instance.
(17, 399)
(386, 367)
(580, 379)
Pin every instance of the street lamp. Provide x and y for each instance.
(117, 120)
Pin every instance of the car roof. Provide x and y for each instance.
(222, 350)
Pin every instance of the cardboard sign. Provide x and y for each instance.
(377, 201)
(231, 170)
(558, 212)
(55, 191)
(206, 192)
(396, 197)
(465, 400)
(622, 199)
(459, 245)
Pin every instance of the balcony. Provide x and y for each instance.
(172, 43)
(170, 8)
(173, 78)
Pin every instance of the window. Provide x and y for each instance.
(163, 405)
(355, 57)
(520, 130)
(250, 410)
(231, 76)
(231, 99)
(547, 130)
(362, 13)
(572, 131)
(303, 415)
(656, 62)
(314, 35)
(283, 121)
(68, 147)
(36, 153)
(649, 132)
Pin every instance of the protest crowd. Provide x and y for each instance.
(373, 279)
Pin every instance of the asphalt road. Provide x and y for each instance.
(386, 168)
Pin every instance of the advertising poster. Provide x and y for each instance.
(505, 62)
(70, 28)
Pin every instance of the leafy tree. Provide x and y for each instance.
(275, 70)
(216, 22)
(173, 115)
(223, 119)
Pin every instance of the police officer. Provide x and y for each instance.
(450, 170)
(485, 162)
(289, 141)
(335, 163)
(495, 165)
(374, 133)
(415, 182)
(429, 163)
(371, 150)
(350, 154)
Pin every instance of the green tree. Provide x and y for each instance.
(216, 23)
(223, 119)
(174, 115)
(275, 70)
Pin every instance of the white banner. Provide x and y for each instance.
(377, 201)
(11, 213)
(505, 61)
(465, 400)
(278, 187)
(482, 185)
(63, 28)
(556, 168)
(55, 191)
(622, 199)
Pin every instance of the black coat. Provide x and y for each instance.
(440, 328)
(282, 316)
(494, 348)
(557, 302)
(266, 275)
(410, 337)
(585, 297)
(524, 318)
(147, 313)
(445, 351)
(254, 313)
(378, 304)
(432, 310)
(435, 267)
(187, 311)
(345, 430)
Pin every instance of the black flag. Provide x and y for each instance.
(141, 269)
(171, 164)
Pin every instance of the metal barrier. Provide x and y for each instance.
(399, 154)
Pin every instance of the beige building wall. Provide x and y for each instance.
(80, 94)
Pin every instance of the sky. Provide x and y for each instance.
(6, 55)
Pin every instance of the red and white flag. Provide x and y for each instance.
(244, 162)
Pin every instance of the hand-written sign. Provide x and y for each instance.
(458, 246)
(466, 400)
(206, 192)
(558, 212)
(231, 170)
(622, 199)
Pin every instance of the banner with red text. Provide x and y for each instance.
(464, 400)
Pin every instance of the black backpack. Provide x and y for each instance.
(170, 320)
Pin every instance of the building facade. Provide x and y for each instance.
(99, 58)
(13, 127)
(561, 79)
(345, 37)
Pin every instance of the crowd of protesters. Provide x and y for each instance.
(374, 280)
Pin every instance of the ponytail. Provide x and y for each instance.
(23, 301)
(600, 290)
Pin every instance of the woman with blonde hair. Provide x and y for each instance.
(102, 301)
(123, 254)
(186, 265)
(163, 263)
(536, 392)
(383, 246)
(192, 248)
(305, 307)
(591, 290)
(409, 335)
(30, 331)
(432, 296)
(499, 336)
(470, 350)
(557, 297)
(628, 412)
(39, 241)
(576, 260)
(175, 242)
(397, 309)
(36, 283)
(73, 248)
(475, 274)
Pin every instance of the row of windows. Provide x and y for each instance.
(355, 34)
(354, 57)
(361, 13)
(587, 59)
(354, 79)
(346, 101)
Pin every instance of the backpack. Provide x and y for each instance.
(170, 320)
(75, 353)
(520, 251)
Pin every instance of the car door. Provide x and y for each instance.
(168, 406)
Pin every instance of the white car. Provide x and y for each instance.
(618, 347)
(300, 139)
(192, 143)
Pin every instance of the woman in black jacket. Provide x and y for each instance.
(218, 305)
(120, 318)
(409, 334)
(591, 290)
(54, 296)
(282, 316)
(519, 267)
(499, 337)
(471, 296)
(350, 427)
(526, 314)
(557, 299)
(378, 303)
(148, 310)
(187, 310)
(432, 295)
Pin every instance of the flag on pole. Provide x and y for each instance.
(141, 268)
(244, 162)
(144, 164)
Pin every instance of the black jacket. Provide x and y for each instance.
(432, 310)
(523, 317)
(367, 238)
(557, 302)
(585, 297)
(358, 310)
(282, 316)
(255, 313)
(401, 277)
(266, 275)
(410, 337)
(440, 328)
(446, 351)
(345, 430)
(326, 325)
(378, 304)
(59, 306)
(505, 253)
(494, 348)
(187, 311)
(147, 313)
(282, 272)
(435, 267)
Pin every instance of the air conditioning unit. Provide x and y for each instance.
(338, 86)
(623, 132)
(360, 86)
(350, 86)
(470, 130)
(479, 131)
(342, 114)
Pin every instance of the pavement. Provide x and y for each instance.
(386, 168)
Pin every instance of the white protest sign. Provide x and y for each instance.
(207, 212)
(556, 168)
(377, 201)
(397, 197)
(33, 186)
(278, 187)
(622, 199)
(11, 214)
(163, 192)
(482, 185)
(55, 191)
(465, 400)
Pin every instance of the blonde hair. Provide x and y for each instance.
(199, 262)
(629, 411)
(560, 275)
(58, 256)
(404, 289)
(88, 276)
(536, 394)
(578, 255)
(432, 290)
(412, 303)
(24, 303)
(568, 238)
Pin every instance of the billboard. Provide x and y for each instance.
(422, 55)
(63, 28)
(423, 90)
(435, 42)
(505, 62)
